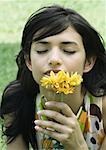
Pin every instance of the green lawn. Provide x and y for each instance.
(13, 15)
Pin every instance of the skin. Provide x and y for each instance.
(53, 57)
(64, 51)
(17, 144)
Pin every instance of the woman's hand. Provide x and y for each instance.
(62, 126)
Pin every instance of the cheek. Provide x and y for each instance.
(76, 63)
(36, 67)
(36, 75)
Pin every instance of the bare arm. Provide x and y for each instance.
(17, 144)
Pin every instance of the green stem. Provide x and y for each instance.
(62, 97)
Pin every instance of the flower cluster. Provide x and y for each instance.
(62, 82)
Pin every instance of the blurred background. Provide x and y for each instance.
(13, 16)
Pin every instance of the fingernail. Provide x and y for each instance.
(37, 127)
(36, 121)
(38, 112)
(47, 103)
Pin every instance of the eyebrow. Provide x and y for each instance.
(69, 43)
(42, 42)
(64, 43)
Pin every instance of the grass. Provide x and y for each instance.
(8, 52)
(13, 15)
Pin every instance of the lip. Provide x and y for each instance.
(48, 72)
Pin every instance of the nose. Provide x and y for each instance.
(54, 63)
(55, 59)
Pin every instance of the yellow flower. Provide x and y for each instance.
(62, 82)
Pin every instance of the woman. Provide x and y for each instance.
(54, 39)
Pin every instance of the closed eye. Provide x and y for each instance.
(42, 52)
(69, 52)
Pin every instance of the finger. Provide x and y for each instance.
(58, 117)
(60, 107)
(53, 126)
(58, 136)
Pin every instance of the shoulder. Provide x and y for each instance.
(104, 112)
(17, 143)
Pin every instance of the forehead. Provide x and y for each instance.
(68, 35)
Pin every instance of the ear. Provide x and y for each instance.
(28, 62)
(89, 63)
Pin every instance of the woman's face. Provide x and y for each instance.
(64, 51)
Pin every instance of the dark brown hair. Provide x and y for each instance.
(19, 96)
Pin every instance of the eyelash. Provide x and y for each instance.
(42, 52)
(69, 52)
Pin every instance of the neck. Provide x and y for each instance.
(74, 101)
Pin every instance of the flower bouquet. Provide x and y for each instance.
(61, 83)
